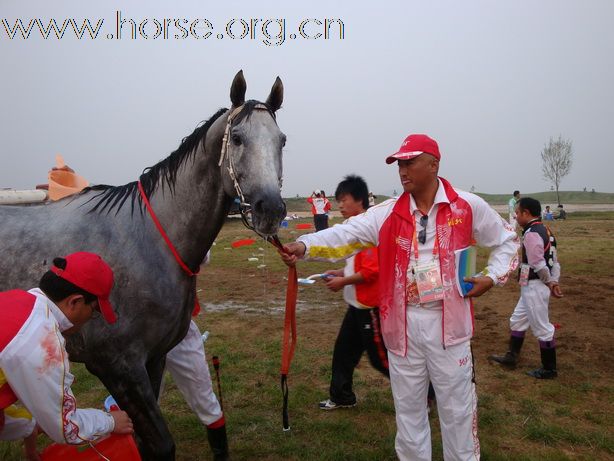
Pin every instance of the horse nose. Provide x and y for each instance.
(269, 206)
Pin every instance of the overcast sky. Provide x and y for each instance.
(491, 81)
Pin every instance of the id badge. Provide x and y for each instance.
(523, 280)
(411, 294)
(428, 281)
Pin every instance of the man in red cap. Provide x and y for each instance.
(426, 327)
(34, 367)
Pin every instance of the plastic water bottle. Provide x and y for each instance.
(205, 336)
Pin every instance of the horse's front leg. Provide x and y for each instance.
(130, 385)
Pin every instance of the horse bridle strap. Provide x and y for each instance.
(164, 235)
(244, 207)
(289, 339)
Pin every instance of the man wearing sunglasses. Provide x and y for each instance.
(34, 367)
(426, 323)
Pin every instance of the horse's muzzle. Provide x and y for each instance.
(268, 211)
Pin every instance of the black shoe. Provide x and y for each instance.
(542, 373)
(509, 359)
(328, 404)
(218, 443)
(548, 369)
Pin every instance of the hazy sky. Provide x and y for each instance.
(491, 81)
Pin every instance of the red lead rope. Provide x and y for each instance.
(289, 340)
(169, 244)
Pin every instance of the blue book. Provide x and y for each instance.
(465, 260)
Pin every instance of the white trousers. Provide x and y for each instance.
(532, 311)
(451, 371)
(187, 364)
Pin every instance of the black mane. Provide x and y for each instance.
(165, 171)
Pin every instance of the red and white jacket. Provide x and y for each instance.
(35, 365)
(319, 205)
(462, 218)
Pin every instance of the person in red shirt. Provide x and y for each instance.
(320, 206)
(360, 329)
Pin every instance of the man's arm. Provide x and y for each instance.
(342, 240)
(491, 231)
(39, 375)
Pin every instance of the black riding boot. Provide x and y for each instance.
(548, 370)
(218, 443)
(510, 358)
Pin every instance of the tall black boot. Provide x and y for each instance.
(510, 358)
(218, 443)
(548, 369)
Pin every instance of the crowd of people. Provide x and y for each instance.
(419, 338)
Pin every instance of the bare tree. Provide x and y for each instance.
(557, 160)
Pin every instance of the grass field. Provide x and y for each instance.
(520, 419)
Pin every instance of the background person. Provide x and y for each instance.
(562, 213)
(538, 278)
(320, 206)
(415, 233)
(33, 360)
(511, 206)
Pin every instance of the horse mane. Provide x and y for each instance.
(163, 172)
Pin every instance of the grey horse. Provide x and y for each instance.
(190, 192)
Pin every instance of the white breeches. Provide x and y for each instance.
(532, 311)
(451, 372)
(187, 364)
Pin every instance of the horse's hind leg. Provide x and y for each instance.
(130, 385)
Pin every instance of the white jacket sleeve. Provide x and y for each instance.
(492, 231)
(344, 240)
(36, 366)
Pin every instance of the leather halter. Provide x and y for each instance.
(244, 206)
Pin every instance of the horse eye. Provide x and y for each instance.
(236, 139)
(283, 140)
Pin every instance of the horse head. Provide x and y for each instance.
(251, 156)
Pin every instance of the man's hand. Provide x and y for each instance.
(335, 283)
(481, 285)
(123, 423)
(334, 272)
(555, 289)
(292, 253)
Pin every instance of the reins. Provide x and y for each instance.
(289, 338)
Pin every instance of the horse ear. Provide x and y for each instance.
(277, 95)
(237, 90)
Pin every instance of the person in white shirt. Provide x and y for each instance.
(34, 367)
(427, 331)
(511, 208)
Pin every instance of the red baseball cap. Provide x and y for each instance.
(89, 272)
(414, 145)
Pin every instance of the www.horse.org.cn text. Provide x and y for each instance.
(269, 31)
